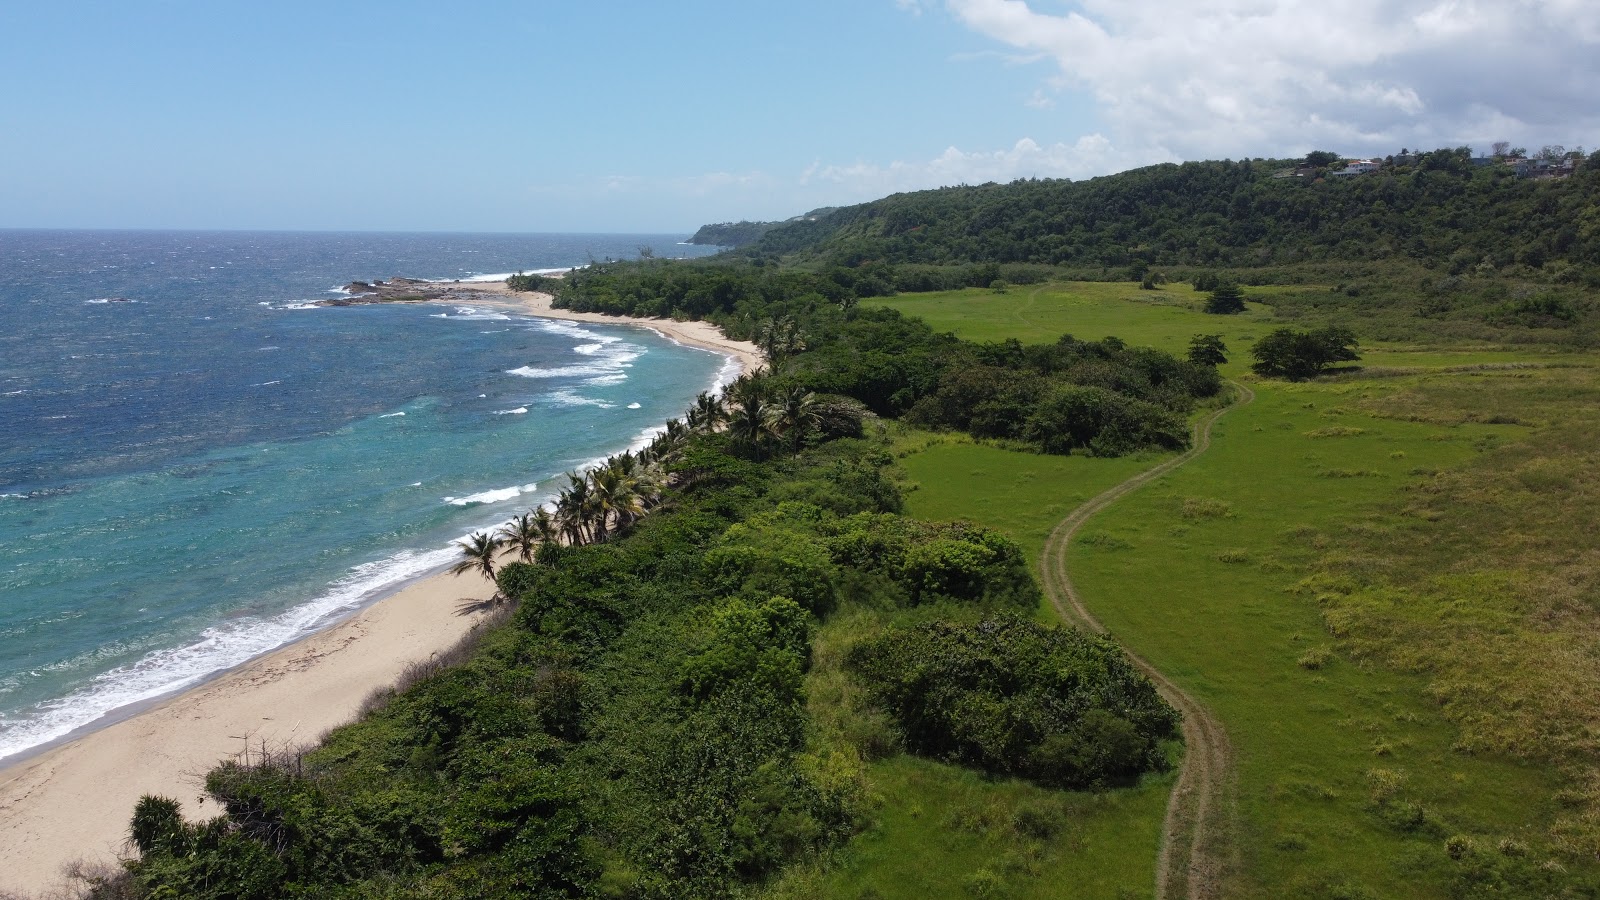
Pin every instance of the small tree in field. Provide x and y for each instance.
(1227, 299)
(1207, 350)
(1298, 355)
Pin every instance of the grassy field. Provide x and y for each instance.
(944, 831)
(1165, 318)
(1382, 585)
(1037, 314)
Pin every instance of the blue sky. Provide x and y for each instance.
(634, 116)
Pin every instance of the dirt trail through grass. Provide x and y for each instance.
(1192, 854)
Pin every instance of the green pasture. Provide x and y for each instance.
(944, 831)
(1353, 779)
(1165, 318)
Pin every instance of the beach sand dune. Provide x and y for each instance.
(73, 802)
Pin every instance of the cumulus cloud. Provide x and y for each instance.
(1236, 78)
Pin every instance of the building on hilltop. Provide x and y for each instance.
(1357, 167)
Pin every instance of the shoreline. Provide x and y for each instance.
(497, 295)
(71, 799)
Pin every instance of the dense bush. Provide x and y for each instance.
(638, 726)
(1016, 698)
(1102, 421)
(933, 562)
(820, 344)
(1298, 355)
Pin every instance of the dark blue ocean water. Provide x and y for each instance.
(197, 467)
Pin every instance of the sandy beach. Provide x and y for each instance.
(74, 800)
(695, 334)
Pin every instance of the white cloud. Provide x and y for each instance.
(1232, 78)
(913, 7)
(1088, 156)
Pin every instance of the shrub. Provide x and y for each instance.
(1299, 355)
(1013, 697)
(761, 646)
(1103, 422)
(1225, 299)
(517, 579)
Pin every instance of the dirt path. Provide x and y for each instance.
(1191, 860)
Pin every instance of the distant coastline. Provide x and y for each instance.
(71, 800)
(497, 295)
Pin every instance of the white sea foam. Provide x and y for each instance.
(519, 411)
(502, 276)
(474, 314)
(572, 398)
(607, 356)
(633, 406)
(494, 496)
(215, 649)
(266, 383)
(391, 415)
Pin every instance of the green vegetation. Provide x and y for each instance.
(732, 234)
(1437, 207)
(1015, 698)
(1225, 300)
(1299, 355)
(1167, 319)
(644, 717)
(819, 666)
(1387, 652)
(744, 233)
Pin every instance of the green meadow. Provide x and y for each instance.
(1383, 584)
(1164, 318)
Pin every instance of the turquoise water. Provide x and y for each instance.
(205, 468)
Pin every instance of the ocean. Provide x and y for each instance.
(198, 466)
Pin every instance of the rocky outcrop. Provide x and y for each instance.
(398, 290)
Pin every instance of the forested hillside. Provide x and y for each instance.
(1441, 209)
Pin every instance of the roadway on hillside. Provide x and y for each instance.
(1192, 856)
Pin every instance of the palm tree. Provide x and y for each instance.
(615, 498)
(478, 554)
(779, 339)
(707, 412)
(523, 535)
(545, 524)
(747, 419)
(796, 413)
(573, 509)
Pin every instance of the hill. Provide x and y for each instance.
(1443, 208)
(744, 232)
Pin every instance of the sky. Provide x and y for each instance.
(611, 116)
